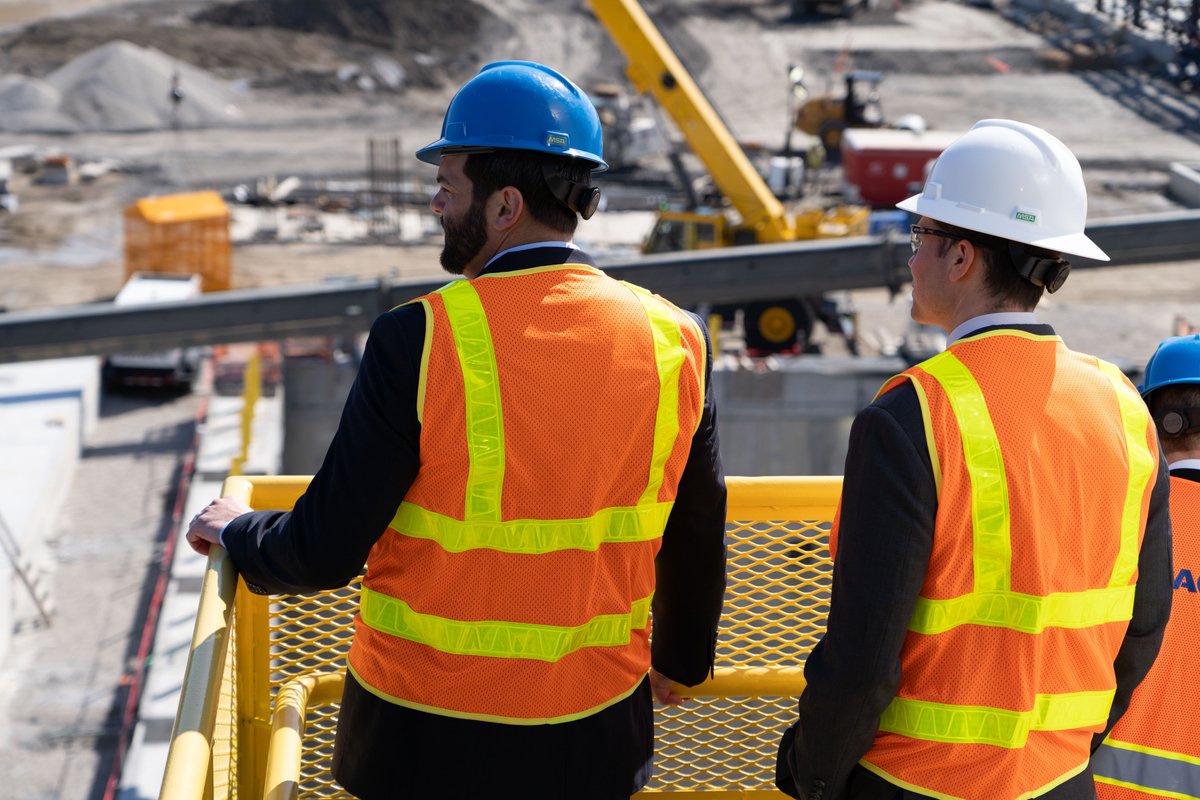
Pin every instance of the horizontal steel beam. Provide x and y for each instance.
(217, 318)
(1146, 239)
(740, 274)
(721, 276)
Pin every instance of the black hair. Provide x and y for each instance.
(1000, 276)
(524, 170)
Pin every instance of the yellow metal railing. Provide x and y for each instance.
(251, 652)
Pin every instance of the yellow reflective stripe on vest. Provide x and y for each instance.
(1025, 612)
(938, 722)
(992, 546)
(498, 638)
(485, 423)
(668, 358)
(532, 536)
(1161, 773)
(1134, 420)
(992, 602)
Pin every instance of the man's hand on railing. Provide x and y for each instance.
(663, 688)
(205, 528)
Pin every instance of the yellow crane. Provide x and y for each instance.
(654, 69)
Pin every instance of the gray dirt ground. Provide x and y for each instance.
(936, 53)
(1126, 125)
(62, 692)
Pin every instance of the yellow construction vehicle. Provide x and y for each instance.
(774, 324)
(826, 116)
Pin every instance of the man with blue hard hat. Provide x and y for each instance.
(1154, 751)
(528, 465)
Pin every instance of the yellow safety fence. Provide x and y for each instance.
(260, 696)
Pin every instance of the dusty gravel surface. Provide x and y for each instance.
(62, 694)
(941, 61)
(950, 62)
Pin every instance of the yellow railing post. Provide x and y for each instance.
(253, 686)
(188, 773)
(288, 721)
(251, 392)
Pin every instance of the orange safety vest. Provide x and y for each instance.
(1044, 461)
(1154, 751)
(514, 584)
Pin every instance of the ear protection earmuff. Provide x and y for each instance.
(1040, 270)
(582, 198)
(1177, 421)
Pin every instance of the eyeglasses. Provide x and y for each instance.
(915, 232)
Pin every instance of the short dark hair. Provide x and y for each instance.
(1000, 277)
(525, 171)
(1176, 395)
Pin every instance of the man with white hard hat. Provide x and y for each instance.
(1002, 551)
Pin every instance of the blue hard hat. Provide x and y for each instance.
(520, 105)
(1177, 360)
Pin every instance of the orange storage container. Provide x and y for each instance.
(180, 233)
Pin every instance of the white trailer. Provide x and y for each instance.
(176, 367)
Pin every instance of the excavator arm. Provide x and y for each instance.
(655, 69)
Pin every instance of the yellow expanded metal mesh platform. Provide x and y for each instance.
(253, 654)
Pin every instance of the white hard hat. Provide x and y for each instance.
(1010, 180)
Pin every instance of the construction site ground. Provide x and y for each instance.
(951, 62)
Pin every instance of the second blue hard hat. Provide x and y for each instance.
(520, 105)
(1177, 360)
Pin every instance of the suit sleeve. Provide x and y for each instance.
(370, 464)
(1151, 602)
(690, 567)
(885, 537)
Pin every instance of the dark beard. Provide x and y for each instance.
(464, 239)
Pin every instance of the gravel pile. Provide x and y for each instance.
(29, 104)
(118, 86)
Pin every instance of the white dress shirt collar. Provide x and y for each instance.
(1005, 318)
(530, 246)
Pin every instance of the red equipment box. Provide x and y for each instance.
(882, 166)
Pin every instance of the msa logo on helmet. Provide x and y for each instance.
(1184, 580)
(1025, 216)
(557, 140)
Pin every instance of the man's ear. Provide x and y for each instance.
(506, 208)
(963, 257)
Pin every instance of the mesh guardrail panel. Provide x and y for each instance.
(775, 610)
(225, 740)
(312, 633)
(776, 604)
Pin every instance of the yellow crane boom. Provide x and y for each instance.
(654, 68)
